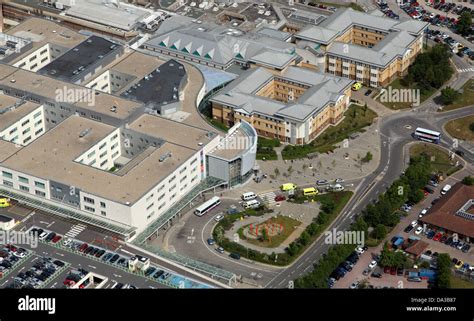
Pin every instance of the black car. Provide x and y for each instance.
(50, 236)
(89, 249)
(158, 274)
(376, 275)
(100, 253)
(59, 263)
(460, 153)
(408, 229)
(94, 251)
(150, 271)
(114, 258)
(235, 256)
(466, 248)
(368, 92)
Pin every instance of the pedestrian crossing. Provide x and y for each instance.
(466, 69)
(75, 230)
(268, 198)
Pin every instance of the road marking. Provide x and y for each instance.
(117, 276)
(50, 224)
(126, 251)
(93, 267)
(75, 230)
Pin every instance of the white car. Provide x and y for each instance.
(414, 223)
(360, 250)
(219, 218)
(20, 254)
(67, 242)
(43, 235)
(372, 264)
(423, 212)
(419, 230)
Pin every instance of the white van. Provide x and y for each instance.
(251, 204)
(445, 189)
(249, 196)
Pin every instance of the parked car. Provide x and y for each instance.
(322, 182)
(372, 264)
(235, 256)
(414, 279)
(210, 241)
(280, 198)
(418, 231)
(355, 285)
(376, 275)
(220, 250)
(408, 229)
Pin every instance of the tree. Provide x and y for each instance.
(379, 231)
(449, 95)
(367, 158)
(468, 180)
(463, 26)
(443, 280)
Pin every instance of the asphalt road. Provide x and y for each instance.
(394, 136)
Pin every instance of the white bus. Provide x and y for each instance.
(207, 206)
(427, 135)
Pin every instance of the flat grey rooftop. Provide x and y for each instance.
(76, 60)
(161, 86)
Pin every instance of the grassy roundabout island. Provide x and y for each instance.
(271, 231)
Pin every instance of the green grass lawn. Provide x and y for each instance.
(356, 118)
(265, 148)
(466, 98)
(289, 224)
(218, 125)
(398, 84)
(459, 128)
(458, 283)
(440, 161)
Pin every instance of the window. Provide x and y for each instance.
(7, 174)
(103, 163)
(171, 179)
(89, 200)
(172, 188)
(91, 154)
(161, 197)
(23, 179)
(102, 204)
(103, 213)
(40, 193)
(39, 184)
(162, 205)
(13, 130)
(150, 206)
(7, 183)
(182, 170)
(24, 188)
(90, 209)
(38, 131)
(103, 145)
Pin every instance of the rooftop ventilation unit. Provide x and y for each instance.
(85, 132)
(164, 157)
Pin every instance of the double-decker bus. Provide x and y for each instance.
(207, 206)
(427, 135)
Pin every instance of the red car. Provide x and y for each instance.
(56, 239)
(426, 193)
(438, 236)
(393, 270)
(280, 198)
(83, 247)
(386, 269)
